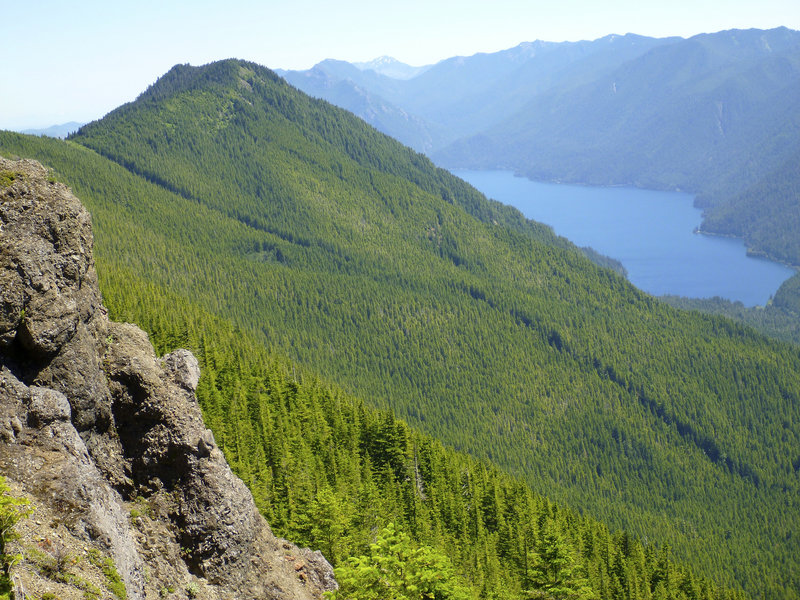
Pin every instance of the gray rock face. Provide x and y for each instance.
(46, 268)
(98, 430)
(47, 406)
(183, 368)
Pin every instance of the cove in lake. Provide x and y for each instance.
(650, 233)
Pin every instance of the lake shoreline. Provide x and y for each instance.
(651, 232)
(760, 254)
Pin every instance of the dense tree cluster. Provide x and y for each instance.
(398, 513)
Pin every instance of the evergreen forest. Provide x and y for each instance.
(780, 318)
(392, 361)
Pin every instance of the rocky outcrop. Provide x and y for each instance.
(107, 440)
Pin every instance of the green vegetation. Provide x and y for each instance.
(779, 319)
(329, 472)
(114, 582)
(787, 298)
(8, 177)
(12, 511)
(395, 568)
(232, 213)
(554, 570)
(773, 320)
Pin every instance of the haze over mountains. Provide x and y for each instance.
(57, 131)
(225, 200)
(391, 67)
(716, 115)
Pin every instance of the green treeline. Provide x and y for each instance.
(337, 248)
(780, 318)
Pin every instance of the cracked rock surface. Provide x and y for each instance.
(106, 439)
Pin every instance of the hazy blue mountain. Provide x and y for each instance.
(346, 86)
(714, 114)
(461, 96)
(470, 94)
(339, 70)
(391, 67)
(677, 116)
(56, 131)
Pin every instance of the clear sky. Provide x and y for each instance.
(75, 61)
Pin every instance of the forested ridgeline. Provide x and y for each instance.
(356, 258)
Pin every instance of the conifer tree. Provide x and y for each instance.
(553, 570)
(398, 570)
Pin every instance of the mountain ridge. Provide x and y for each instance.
(58, 131)
(354, 255)
(391, 67)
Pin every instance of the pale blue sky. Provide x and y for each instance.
(65, 61)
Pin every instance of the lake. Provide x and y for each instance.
(650, 233)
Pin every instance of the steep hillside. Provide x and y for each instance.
(766, 214)
(357, 257)
(131, 498)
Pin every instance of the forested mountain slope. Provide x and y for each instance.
(766, 214)
(325, 468)
(355, 256)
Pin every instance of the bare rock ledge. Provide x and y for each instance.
(107, 440)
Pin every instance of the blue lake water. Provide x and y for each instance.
(650, 233)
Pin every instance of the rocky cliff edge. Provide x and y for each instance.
(107, 440)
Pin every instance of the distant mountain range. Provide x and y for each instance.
(55, 131)
(391, 67)
(715, 115)
(461, 96)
